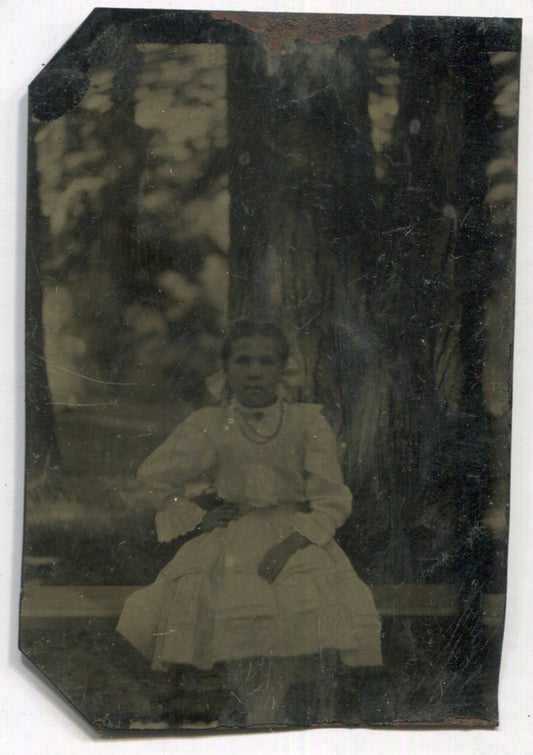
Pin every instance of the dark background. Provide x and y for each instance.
(360, 191)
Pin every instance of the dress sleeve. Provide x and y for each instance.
(329, 498)
(185, 455)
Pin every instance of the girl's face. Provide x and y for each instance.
(253, 370)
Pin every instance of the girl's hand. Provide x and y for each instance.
(276, 557)
(219, 516)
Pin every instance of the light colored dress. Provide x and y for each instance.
(280, 465)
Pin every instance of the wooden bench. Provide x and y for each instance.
(79, 601)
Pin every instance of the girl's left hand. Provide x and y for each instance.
(276, 557)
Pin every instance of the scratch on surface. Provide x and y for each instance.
(79, 403)
(302, 301)
(399, 229)
(309, 321)
(236, 697)
(79, 374)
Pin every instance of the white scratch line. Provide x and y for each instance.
(79, 374)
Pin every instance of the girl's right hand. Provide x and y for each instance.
(219, 516)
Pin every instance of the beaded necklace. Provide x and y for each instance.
(251, 433)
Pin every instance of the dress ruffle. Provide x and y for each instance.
(209, 603)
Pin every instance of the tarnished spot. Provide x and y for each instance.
(282, 28)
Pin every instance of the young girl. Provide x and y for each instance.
(264, 585)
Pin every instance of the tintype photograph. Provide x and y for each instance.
(270, 293)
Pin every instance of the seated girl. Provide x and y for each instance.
(264, 586)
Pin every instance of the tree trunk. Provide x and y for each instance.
(302, 216)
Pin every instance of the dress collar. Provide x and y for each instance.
(257, 413)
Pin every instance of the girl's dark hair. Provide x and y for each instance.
(249, 328)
